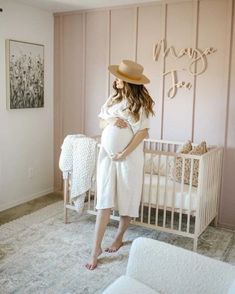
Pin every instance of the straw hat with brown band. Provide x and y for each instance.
(129, 71)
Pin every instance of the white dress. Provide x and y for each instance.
(119, 182)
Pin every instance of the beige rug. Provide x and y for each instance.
(41, 254)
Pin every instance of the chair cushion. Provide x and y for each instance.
(170, 269)
(127, 285)
(231, 289)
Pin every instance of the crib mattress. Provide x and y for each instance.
(165, 196)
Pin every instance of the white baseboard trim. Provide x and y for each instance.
(26, 199)
(226, 226)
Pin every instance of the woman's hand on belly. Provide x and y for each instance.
(115, 139)
(116, 121)
(118, 156)
(137, 138)
(120, 123)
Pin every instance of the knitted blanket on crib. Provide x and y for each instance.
(78, 156)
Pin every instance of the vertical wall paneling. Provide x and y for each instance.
(108, 53)
(228, 61)
(149, 32)
(195, 45)
(83, 71)
(58, 98)
(123, 36)
(73, 70)
(177, 124)
(227, 202)
(136, 20)
(61, 78)
(163, 60)
(57, 126)
(210, 104)
(97, 48)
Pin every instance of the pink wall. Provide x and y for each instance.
(86, 42)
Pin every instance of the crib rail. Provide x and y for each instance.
(167, 202)
(210, 182)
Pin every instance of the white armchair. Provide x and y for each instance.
(158, 267)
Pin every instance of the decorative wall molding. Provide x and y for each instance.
(84, 16)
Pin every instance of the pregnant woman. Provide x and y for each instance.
(124, 118)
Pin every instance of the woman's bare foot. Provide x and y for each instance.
(115, 246)
(93, 261)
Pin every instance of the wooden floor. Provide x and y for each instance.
(29, 207)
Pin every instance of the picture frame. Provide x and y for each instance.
(24, 74)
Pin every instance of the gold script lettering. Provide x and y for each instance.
(194, 54)
(172, 91)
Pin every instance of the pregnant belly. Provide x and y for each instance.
(115, 139)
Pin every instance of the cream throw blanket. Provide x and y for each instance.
(78, 156)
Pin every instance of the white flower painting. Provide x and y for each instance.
(25, 75)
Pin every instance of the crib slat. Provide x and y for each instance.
(199, 219)
(150, 190)
(202, 212)
(207, 185)
(69, 189)
(142, 194)
(206, 208)
(203, 200)
(89, 199)
(214, 184)
(217, 181)
(65, 200)
(157, 195)
(212, 210)
(206, 190)
(165, 194)
(189, 193)
(209, 203)
(150, 184)
(173, 197)
(181, 195)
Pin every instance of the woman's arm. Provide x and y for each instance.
(135, 141)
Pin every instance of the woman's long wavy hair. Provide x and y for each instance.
(136, 95)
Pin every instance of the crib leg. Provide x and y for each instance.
(216, 221)
(65, 200)
(65, 216)
(195, 241)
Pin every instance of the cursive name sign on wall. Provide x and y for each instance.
(194, 54)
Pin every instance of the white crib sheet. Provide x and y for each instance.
(169, 193)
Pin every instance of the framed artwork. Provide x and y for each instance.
(25, 74)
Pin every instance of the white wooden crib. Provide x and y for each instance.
(168, 205)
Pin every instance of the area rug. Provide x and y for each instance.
(41, 254)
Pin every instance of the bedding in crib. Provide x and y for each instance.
(165, 195)
(162, 196)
